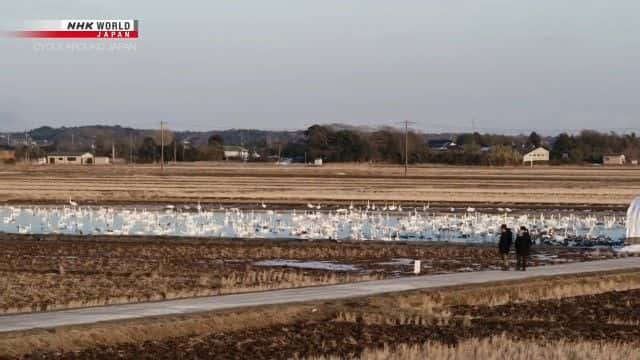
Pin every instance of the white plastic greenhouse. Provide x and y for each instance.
(633, 221)
(632, 240)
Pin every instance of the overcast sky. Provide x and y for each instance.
(507, 66)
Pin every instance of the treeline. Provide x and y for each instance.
(388, 145)
(590, 146)
(342, 145)
(147, 150)
(150, 150)
(338, 144)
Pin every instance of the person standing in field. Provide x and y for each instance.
(504, 245)
(523, 246)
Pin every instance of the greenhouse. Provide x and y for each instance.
(633, 222)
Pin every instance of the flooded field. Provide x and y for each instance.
(387, 223)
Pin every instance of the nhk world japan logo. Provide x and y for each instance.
(79, 29)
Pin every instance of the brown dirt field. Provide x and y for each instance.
(366, 327)
(40, 273)
(234, 183)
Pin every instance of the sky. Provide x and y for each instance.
(445, 65)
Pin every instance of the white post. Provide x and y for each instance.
(417, 267)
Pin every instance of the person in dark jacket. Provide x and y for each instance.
(504, 245)
(523, 246)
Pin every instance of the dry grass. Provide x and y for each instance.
(241, 183)
(433, 307)
(67, 273)
(417, 308)
(27, 292)
(58, 272)
(394, 317)
(437, 302)
(502, 347)
(140, 330)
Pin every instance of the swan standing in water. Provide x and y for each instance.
(353, 223)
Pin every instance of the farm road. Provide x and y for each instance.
(334, 292)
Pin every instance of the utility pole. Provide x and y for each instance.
(162, 145)
(26, 144)
(113, 153)
(130, 148)
(175, 150)
(279, 151)
(406, 146)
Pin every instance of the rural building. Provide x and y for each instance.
(70, 159)
(317, 162)
(118, 161)
(39, 161)
(615, 159)
(7, 155)
(236, 152)
(537, 154)
(441, 145)
(102, 160)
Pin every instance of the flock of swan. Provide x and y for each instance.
(388, 222)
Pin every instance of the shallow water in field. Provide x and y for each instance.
(314, 265)
(348, 224)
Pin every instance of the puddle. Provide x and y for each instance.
(314, 265)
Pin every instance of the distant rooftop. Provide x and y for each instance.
(234, 148)
(440, 143)
(68, 153)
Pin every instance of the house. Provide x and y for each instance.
(441, 144)
(317, 162)
(7, 155)
(70, 158)
(614, 159)
(236, 152)
(537, 154)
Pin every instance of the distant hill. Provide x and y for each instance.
(82, 137)
(360, 128)
(101, 136)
